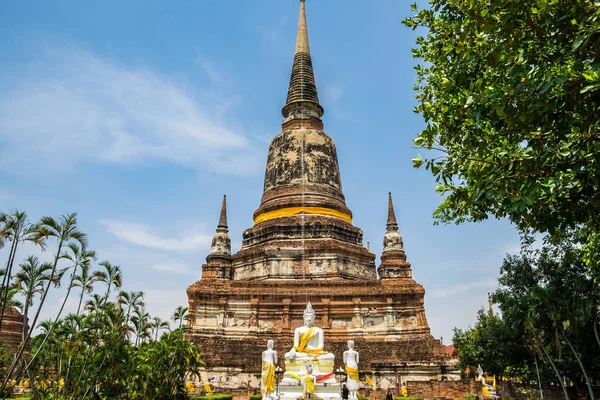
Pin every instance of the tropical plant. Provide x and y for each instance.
(85, 280)
(158, 325)
(131, 300)
(16, 228)
(88, 354)
(547, 297)
(180, 315)
(111, 275)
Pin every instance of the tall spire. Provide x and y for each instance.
(222, 227)
(393, 257)
(302, 37)
(220, 248)
(302, 98)
(392, 225)
(392, 240)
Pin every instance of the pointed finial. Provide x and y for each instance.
(302, 37)
(391, 220)
(220, 248)
(222, 227)
(302, 99)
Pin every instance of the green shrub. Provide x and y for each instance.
(469, 396)
(222, 396)
(256, 397)
(362, 397)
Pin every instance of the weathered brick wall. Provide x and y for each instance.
(245, 354)
(243, 394)
(442, 389)
(12, 328)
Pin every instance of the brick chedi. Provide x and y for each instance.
(303, 247)
(12, 329)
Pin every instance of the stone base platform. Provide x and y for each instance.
(324, 391)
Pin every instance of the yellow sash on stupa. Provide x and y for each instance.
(268, 377)
(310, 384)
(352, 372)
(303, 342)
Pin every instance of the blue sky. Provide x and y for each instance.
(140, 115)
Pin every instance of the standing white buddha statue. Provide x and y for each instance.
(351, 365)
(269, 363)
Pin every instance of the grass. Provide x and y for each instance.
(222, 396)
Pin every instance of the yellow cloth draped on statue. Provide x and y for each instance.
(208, 389)
(303, 342)
(309, 384)
(352, 372)
(484, 391)
(268, 377)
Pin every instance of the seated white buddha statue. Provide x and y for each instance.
(308, 340)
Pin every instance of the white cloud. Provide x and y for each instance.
(173, 267)
(142, 235)
(162, 302)
(215, 75)
(464, 287)
(332, 93)
(271, 33)
(70, 107)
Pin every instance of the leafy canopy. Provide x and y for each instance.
(510, 93)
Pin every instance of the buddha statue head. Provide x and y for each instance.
(309, 368)
(309, 315)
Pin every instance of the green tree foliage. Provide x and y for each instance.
(549, 305)
(110, 348)
(492, 344)
(510, 93)
(549, 297)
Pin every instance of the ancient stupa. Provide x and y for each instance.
(303, 247)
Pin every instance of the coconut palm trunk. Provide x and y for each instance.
(18, 229)
(558, 376)
(585, 375)
(55, 321)
(595, 321)
(32, 327)
(7, 278)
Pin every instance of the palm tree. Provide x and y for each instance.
(64, 230)
(86, 281)
(94, 304)
(3, 230)
(179, 315)
(131, 300)
(10, 300)
(79, 256)
(141, 325)
(157, 325)
(111, 275)
(30, 281)
(17, 229)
